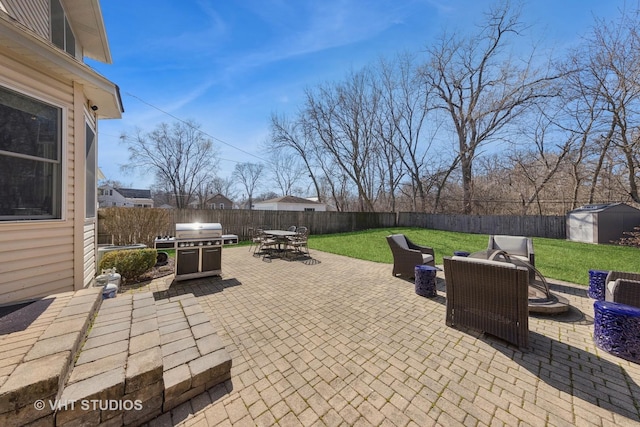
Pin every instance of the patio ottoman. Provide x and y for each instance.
(426, 280)
(616, 329)
(597, 283)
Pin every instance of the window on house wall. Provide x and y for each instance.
(90, 174)
(61, 33)
(30, 158)
(221, 205)
(309, 209)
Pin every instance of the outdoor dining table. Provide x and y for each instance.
(280, 236)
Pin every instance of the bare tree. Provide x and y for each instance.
(406, 100)
(224, 186)
(294, 136)
(248, 175)
(343, 117)
(179, 155)
(481, 87)
(287, 172)
(614, 57)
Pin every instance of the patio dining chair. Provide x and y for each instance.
(266, 244)
(299, 243)
(255, 234)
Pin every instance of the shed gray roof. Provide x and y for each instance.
(597, 208)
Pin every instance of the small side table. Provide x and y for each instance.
(616, 329)
(597, 279)
(426, 280)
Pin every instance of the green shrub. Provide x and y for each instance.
(130, 263)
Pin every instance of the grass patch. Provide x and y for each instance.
(555, 258)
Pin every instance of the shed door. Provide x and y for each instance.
(581, 227)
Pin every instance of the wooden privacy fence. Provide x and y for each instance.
(553, 227)
(240, 221)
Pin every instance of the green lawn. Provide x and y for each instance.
(557, 259)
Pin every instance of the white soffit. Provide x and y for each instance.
(88, 27)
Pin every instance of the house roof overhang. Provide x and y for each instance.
(88, 27)
(25, 46)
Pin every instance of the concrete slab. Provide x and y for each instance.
(34, 380)
(209, 344)
(68, 342)
(96, 353)
(144, 342)
(177, 381)
(87, 370)
(143, 368)
(96, 390)
(176, 346)
(205, 368)
(180, 358)
(144, 326)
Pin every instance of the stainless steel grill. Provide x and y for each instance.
(198, 249)
(198, 232)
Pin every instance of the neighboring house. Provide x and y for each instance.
(289, 203)
(217, 201)
(109, 196)
(50, 104)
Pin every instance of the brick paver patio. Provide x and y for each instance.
(337, 341)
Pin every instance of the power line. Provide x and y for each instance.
(199, 130)
(129, 138)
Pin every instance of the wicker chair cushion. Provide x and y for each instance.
(608, 292)
(484, 261)
(400, 240)
(426, 258)
(513, 245)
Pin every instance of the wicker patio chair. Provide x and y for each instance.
(516, 246)
(406, 255)
(489, 296)
(623, 288)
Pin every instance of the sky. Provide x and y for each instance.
(229, 65)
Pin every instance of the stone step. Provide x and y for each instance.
(142, 358)
(43, 368)
(194, 358)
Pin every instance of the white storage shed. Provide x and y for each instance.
(603, 223)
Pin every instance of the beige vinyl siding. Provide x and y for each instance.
(36, 260)
(33, 14)
(37, 257)
(89, 252)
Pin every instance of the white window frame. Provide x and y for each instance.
(90, 125)
(62, 196)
